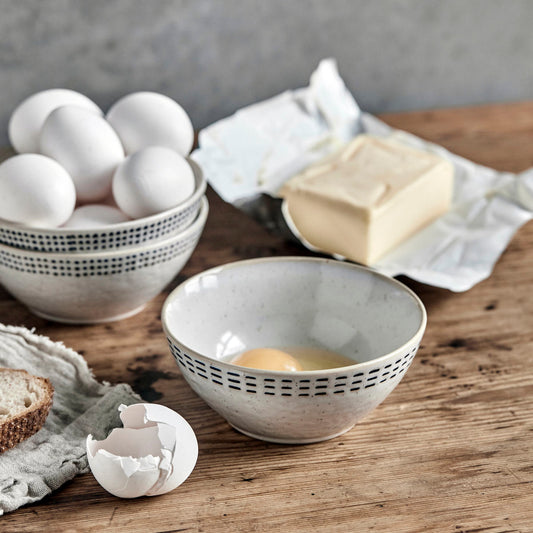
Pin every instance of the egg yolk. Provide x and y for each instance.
(267, 359)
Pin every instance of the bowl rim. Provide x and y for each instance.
(400, 350)
(199, 191)
(198, 222)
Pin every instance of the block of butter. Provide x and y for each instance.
(364, 200)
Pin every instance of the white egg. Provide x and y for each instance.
(152, 454)
(28, 117)
(147, 119)
(95, 216)
(152, 180)
(36, 191)
(86, 145)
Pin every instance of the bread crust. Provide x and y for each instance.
(27, 422)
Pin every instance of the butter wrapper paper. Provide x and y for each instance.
(249, 155)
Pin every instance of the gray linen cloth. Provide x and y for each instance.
(82, 405)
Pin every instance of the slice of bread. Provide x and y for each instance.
(25, 402)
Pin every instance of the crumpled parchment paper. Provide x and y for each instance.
(249, 155)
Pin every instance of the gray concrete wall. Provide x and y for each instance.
(216, 56)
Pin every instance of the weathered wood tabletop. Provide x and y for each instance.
(450, 450)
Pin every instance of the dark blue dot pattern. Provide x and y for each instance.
(84, 267)
(343, 383)
(98, 240)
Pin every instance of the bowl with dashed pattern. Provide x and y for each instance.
(119, 236)
(369, 318)
(86, 288)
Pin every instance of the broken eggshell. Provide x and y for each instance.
(152, 454)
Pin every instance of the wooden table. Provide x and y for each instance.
(450, 450)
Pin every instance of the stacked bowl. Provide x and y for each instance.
(101, 274)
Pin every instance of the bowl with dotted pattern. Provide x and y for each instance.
(132, 233)
(293, 301)
(84, 288)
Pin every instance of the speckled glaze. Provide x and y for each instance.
(99, 286)
(132, 233)
(290, 301)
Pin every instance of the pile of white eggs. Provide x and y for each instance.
(78, 168)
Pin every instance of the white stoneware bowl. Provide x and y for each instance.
(99, 286)
(132, 233)
(288, 301)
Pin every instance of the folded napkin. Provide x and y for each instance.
(82, 405)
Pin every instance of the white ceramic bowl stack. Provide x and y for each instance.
(282, 302)
(102, 274)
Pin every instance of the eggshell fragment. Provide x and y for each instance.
(35, 191)
(28, 117)
(154, 453)
(86, 145)
(152, 180)
(148, 119)
(95, 216)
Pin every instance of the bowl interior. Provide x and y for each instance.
(287, 302)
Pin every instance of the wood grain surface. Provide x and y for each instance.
(451, 450)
